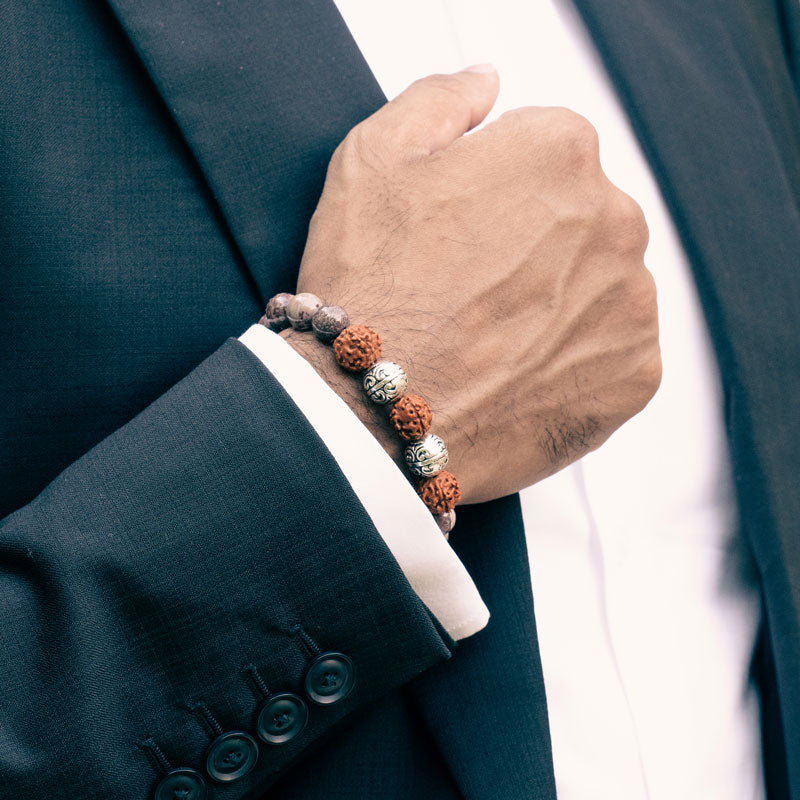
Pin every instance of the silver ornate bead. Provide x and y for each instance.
(446, 522)
(427, 457)
(301, 309)
(385, 382)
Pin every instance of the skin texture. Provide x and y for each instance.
(502, 269)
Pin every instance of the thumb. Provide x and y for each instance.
(435, 111)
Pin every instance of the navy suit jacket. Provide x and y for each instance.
(171, 523)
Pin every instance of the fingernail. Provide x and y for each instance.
(480, 68)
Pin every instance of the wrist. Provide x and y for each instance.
(347, 387)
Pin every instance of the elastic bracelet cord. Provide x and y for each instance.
(357, 349)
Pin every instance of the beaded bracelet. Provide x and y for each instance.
(357, 348)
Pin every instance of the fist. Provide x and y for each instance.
(501, 268)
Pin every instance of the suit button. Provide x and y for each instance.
(281, 718)
(181, 784)
(231, 756)
(329, 678)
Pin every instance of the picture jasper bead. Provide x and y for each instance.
(357, 348)
(441, 493)
(426, 457)
(275, 312)
(301, 309)
(411, 417)
(329, 322)
(384, 382)
(446, 522)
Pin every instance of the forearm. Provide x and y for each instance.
(348, 388)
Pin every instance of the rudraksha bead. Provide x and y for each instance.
(329, 322)
(411, 417)
(440, 493)
(357, 348)
(384, 382)
(301, 309)
(275, 312)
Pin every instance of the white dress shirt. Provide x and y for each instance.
(646, 608)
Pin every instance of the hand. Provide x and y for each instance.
(502, 269)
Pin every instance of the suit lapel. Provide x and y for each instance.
(711, 96)
(262, 92)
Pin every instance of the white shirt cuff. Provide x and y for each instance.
(431, 566)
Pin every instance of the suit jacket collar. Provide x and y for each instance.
(262, 93)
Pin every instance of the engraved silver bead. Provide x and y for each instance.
(427, 457)
(385, 382)
(446, 522)
(301, 308)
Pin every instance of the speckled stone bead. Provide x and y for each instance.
(385, 382)
(357, 348)
(446, 522)
(301, 309)
(275, 312)
(329, 322)
(441, 493)
(411, 417)
(426, 457)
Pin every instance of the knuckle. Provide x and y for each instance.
(516, 128)
(577, 133)
(367, 144)
(650, 374)
(525, 116)
(654, 371)
(353, 144)
(628, 211)
(631, 233)
(642, 305)
(642, 315)
(584, 144)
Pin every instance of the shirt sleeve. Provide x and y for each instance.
(430, 565)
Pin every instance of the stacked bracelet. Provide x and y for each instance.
(357, 348)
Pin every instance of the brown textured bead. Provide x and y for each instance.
(301, 309)
(446, 522)
(440, 493)
(411, 417)
(275, 312)
(328, 322)
(357, 348)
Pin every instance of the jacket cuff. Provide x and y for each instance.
(430, 565)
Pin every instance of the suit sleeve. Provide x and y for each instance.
(171, 582)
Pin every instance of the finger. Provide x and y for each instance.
(435, 111)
